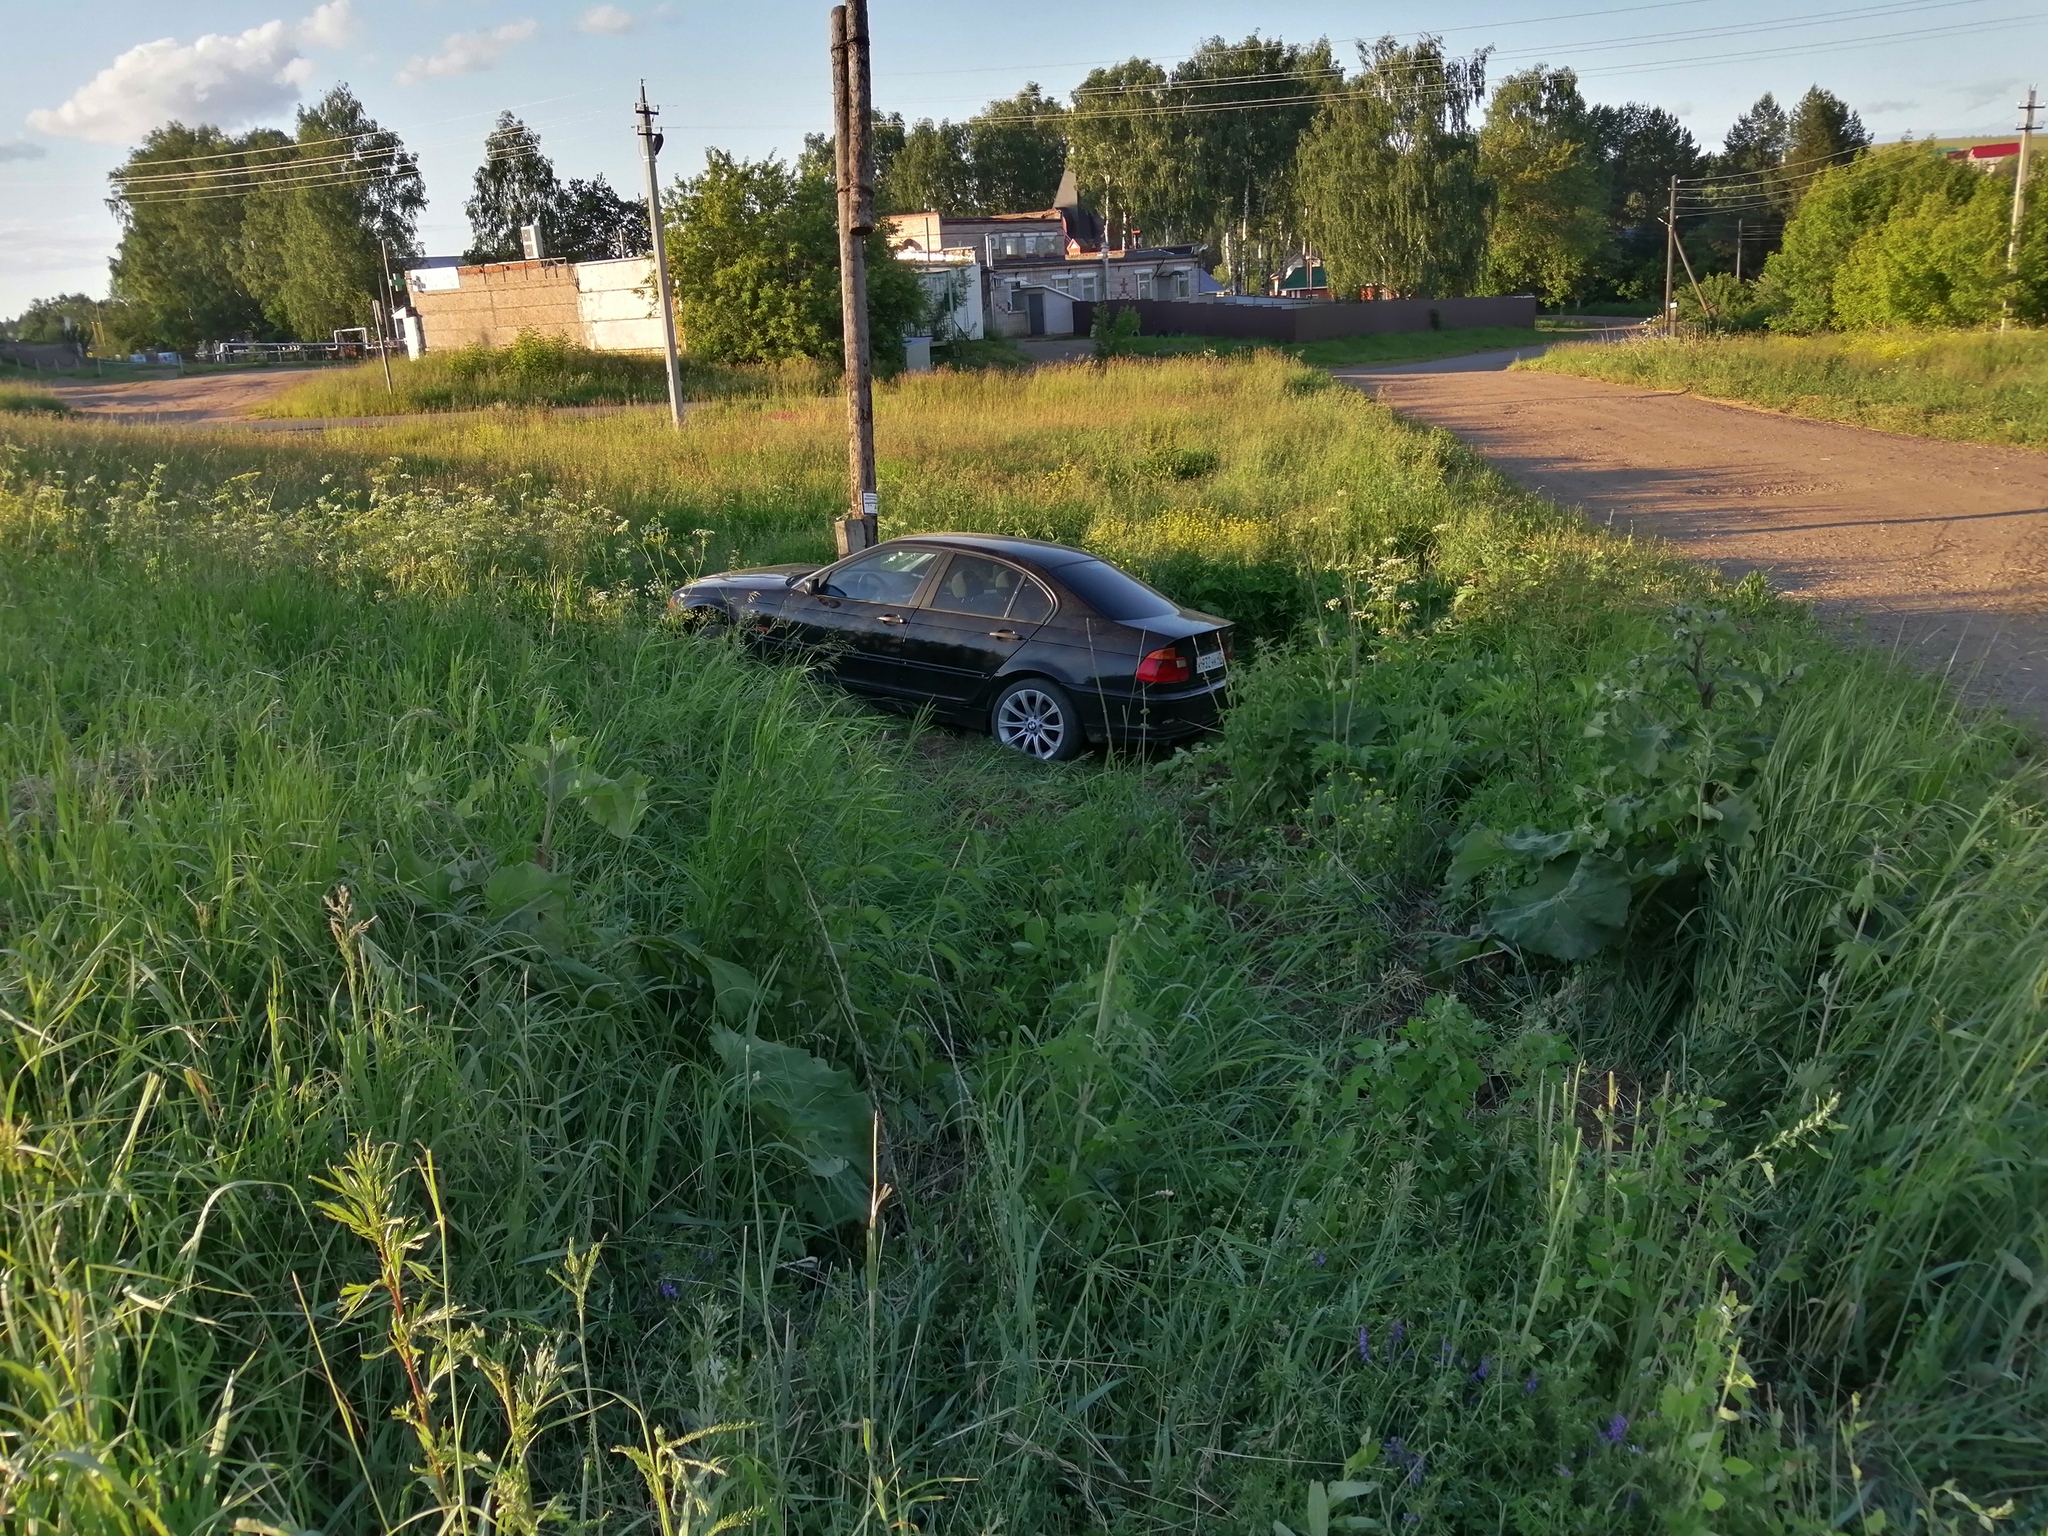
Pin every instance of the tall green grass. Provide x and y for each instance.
(1975, 386)
(1203, 1183)
(535, 371)
(30, 402)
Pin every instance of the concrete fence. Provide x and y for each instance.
(1313, 321)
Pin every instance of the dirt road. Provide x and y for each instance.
(1938, 550)
(189, 399)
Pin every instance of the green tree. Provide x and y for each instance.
(1823, 131)
(593, 223)
(754, 258)
(1641, 148)
(1844, 205)
(1124, 151)
(515, 185)
(1239, 164)
(1017, 149)
(931, 173)
(180, 200)
(1389, 173)
(311, 232)
(1539, 152)
(1756, 140)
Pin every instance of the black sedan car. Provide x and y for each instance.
(1046, 647)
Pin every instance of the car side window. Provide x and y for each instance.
(887, 576)
(977, 585)
(1033, 604)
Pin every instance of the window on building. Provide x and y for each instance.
(1144, 285)
(1086, 286)
(1182, 284)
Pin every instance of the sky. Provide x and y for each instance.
(82, 82)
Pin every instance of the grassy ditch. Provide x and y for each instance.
(1975, 386)
(535, 371)
(463, 1026)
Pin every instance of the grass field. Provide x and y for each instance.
(1399, 347)
(534, 371)
(1977, 386)
(449, 1007)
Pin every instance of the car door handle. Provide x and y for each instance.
(889, 618)
(1002, 634)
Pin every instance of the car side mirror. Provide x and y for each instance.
(801, 584)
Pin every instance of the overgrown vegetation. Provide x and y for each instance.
(1978, 386)
(464, 1027)
(22, 402)
(534, 371)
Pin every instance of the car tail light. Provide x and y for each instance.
(1165, 665)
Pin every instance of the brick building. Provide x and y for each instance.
(606, 305)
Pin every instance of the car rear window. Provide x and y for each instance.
(1113, 594)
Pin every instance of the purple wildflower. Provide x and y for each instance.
(1411, 1518)
(1443, 1354)
(1413, 1461)
(1563, 1470)
(1364, 1347)
(1617, 1427)
(669, 1289)
(1485, 1368)
(1319, 1258)
(1396, 1334)
(1529, 1387)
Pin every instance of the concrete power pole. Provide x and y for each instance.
(650, 147)
(2019, 203)
(1670, 240)
(854, 164)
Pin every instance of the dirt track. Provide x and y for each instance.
(184, 400)
(1936, 549)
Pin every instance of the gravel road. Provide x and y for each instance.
(1937, 550)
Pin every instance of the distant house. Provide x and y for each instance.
(1027, 269)
(606, 305)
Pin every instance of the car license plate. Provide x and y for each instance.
(1208, 661)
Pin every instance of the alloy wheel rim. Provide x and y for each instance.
(1031, 722)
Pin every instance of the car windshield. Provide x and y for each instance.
(1113, 594)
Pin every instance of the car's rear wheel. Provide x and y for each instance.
(1037, 718)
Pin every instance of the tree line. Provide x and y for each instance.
(270, 235)
(1405, 173)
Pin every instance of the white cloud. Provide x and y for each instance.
(606, 19)
(464, 53)
(1882, 108)
(332, 25)
(20, 149)
(216, 79)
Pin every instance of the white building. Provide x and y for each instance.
(1032, 267)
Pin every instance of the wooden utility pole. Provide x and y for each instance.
(650, 147)
(1738, 250)
(854, 167)
(2019, 203)
(1670, 240)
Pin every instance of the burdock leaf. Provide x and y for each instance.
(1572, 910)
(614, 804)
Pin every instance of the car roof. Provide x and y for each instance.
(1037, 552)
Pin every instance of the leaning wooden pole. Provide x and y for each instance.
(854, 167)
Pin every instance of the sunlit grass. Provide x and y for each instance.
(1178, 1221)
(1977, 386)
